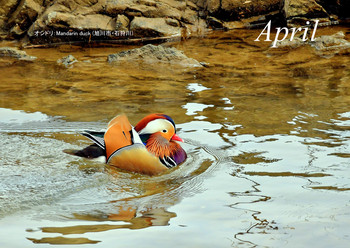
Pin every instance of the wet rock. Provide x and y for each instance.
(191, 5)
(115, 7)
(22, 18)
(144, 18)
(154, 54)
(214, 6)
(340, 8)
(199, 28)
(325, 45)
(230, 10)
(17, 16)
(64, 15)
(244, 8)
(15, 53)
(16, 31)
(153, 27)
(122, 23)
(297, 12)
(38, 20)
(92, 22)
(172, 22)
(67, 61)
(151, 9)
(232, 14)
(56, 26)
(330, 42)
(298, 8)
(254, 21)
(328, 12)
(191, 17)
(296, 42)
(58, 20)
(6, 9)
(215, 23)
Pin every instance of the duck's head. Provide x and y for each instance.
(157, 124)
(158, 133)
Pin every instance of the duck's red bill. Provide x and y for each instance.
(177, 138)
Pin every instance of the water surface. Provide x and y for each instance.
(267, 133)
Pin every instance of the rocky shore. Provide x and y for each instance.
(52, 21)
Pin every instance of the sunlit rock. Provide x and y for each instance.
(325, 45)
(122, 23)
(15, 53)
(152, 54)
(153, 27)
(67, 61)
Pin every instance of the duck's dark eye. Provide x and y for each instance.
(164, 131)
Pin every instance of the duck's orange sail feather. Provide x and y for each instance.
(118, 135)
(124, 153)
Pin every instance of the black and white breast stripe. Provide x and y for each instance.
(168, 162)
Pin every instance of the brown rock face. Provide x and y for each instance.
(57, 20)
(122, 23)
(229, 10)
(40, 20)
(303, 8)
(244, 8)
(17, 16)
(297, 12)
(7, 7)
(152, 27)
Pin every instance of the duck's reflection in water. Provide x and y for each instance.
(125, 213)
(144, 203)
(151, 217)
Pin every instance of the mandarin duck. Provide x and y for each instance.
(149, 148)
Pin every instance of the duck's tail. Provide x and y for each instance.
(90, 152)
(93, 151)
(96, 137)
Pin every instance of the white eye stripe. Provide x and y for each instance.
(156, 126)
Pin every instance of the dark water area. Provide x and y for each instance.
(267, 132)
